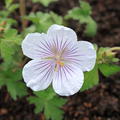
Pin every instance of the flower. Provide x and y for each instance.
(57, 58)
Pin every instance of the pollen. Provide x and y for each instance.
(60, 63)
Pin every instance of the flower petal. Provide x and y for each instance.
(68, 33)
(38, 74)
(35, 46)
(68, 80)
(87, 55)
(81, 54)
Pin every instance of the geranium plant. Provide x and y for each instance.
(61, 65)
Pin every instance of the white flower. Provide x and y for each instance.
(58, 58)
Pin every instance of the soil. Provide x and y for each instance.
(99, 103)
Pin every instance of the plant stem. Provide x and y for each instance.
(115, 48)
(22, 13)
(112, 51)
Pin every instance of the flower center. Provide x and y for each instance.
(58, 61)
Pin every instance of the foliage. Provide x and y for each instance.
(9, 44)
(91, 79)
(44, 2)
(48, 101)
(42, 21)
(83, 15)
(109, 69)
(10, 70)
(10, 51)
(9, 8)
(12, 79)
(5, 21)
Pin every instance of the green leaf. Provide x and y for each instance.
(7, 50)
(16, 88)
(74, 13)
(11, 35)
(91, 79)
(10, 44)
(33, 17)
(12, 8)
(54, 105)
(91, 28)
(109, 69)
(46, 94)
(83, 15)
(48, 101)
(30, 29)
(2, 82)
(44, 2)
(11, 78)
(8, 21)
(85, 7)
(9, 7)
(39, 103)
(8, 3)
(77, 14)
(56, 18)
(42, 21)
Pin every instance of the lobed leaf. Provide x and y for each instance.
(16, 88)
(9, 44)
(48, 101)
(11, 78)
(83, 15)
(42, 21)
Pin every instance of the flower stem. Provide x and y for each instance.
(112, 51)
(115, 48)
(22, 13)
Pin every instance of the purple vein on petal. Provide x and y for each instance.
(64, 73)
(45, 45)
(43, 48)
(45, 76)
(41, 65)
(60, 73)
(73, 50)
(47, 73)
(42, 71)
(68, 70)
(61, 43)
(39, 51)
(57, 42)
(48, 44)
(69, 67)
(64, 48)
